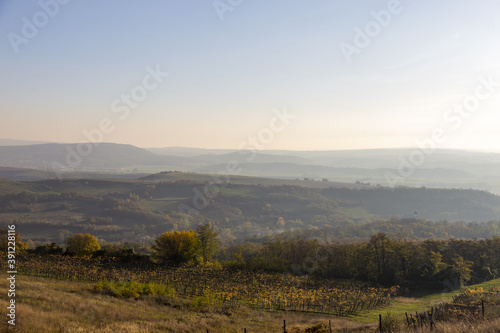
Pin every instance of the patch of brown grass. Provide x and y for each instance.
(478, 326)
(406, 300)
(46, 305)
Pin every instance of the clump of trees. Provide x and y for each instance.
(384, 260)
(179, 247)
(52, 248)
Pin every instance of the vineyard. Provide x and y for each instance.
(470, 305)
(255, 289)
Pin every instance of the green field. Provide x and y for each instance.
(420, 302)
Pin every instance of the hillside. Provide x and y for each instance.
(139, 210)
(11, 142)
(25, 174)
(102, 156)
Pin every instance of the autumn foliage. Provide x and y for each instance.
(82, 244)
(177, 247)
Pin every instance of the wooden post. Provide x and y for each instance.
(432, 319)
(380, 322)
(284, 326)
(330, 324)
(482, 307)
(407, 322)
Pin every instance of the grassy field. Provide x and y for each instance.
(163, 203)
(420, 302)
(250, 180)
(47, 305)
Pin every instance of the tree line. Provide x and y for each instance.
(385, 260)
(170, 248)
(407, 227)
(381, 259)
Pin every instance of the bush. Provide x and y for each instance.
(133, 289)
(390, 323)
(52, 248)
(153, 288)
(207, 303)
(319, 328)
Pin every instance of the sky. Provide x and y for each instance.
(296, 75)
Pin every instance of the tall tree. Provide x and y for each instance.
(433, 266)
(208, 241)
(5, 238)
(460, 270)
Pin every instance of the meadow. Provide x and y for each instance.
(215, 284)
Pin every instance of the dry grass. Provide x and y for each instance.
(486, 326)
(406, 300)
(46, 305)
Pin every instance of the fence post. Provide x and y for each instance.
(380, 322)
(432, 318)
(482, 307)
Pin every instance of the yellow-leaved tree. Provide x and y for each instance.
(82, 244)
(5, 238)
(177, 247)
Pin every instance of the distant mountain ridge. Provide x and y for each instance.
(445, 168)
(76, 156)
(12, 142)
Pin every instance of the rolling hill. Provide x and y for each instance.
(83, 157)
(139, 210)
(444, 168)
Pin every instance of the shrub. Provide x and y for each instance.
(390, 323)
(133, 289)
(202, 303)
(154, 288)
(319, 328)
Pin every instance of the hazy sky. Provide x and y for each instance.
(354, 74)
